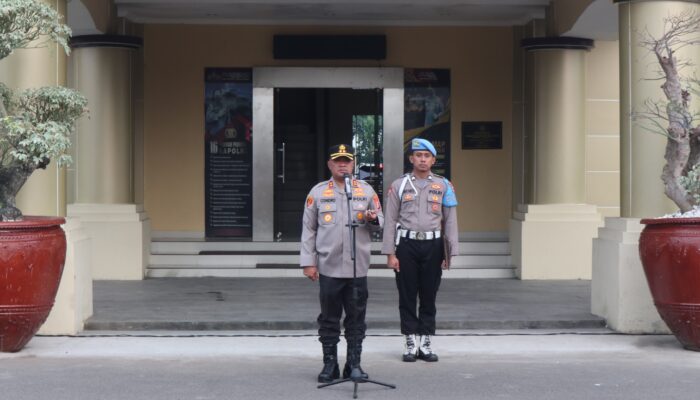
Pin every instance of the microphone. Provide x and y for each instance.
(348, 186)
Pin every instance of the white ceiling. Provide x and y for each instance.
(599, 20)
(334, 12)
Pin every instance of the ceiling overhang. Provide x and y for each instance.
(334, 12)
(598, 21)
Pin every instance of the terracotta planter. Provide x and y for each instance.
(32, 253)
(670, 252)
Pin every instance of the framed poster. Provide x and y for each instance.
(228, 149)
(427, 113)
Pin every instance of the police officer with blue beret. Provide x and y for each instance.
(421, 237)
(326, 258)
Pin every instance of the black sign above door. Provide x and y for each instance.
(228, 149)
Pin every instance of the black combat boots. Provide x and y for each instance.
(352, 364)
(331, 370)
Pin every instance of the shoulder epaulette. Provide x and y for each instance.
(320, 184)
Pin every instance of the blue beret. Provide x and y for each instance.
(422, 144)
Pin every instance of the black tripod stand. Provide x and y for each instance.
(355, 372)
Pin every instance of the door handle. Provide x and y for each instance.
(284, 154)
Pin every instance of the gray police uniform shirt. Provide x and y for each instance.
(325, 238)
(423, 211)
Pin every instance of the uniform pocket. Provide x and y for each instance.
(358, 210)
(435, 204)
(408, 203)
(327, 213)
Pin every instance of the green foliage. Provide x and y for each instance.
(691, 183)
(35, 124)
(364, 138)
(38, 125)
(25, 21)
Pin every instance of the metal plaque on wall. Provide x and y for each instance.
(479, 135)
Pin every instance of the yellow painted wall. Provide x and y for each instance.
(603, 128)
(480, 60)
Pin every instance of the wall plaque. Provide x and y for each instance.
(478, 135)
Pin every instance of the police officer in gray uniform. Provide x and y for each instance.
(421, 237)
(326, 257)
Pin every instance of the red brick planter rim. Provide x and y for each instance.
(33, 222)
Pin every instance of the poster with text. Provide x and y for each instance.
(228, 150)
(427, 113)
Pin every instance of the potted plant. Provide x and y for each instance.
(669, 246)
(34, 129)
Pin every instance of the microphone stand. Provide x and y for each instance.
(355, 374)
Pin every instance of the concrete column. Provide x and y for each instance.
(556, 105)
(619, 290)
(551, 235)
(103, 178)
(642, 152)
(519, 169)
(73, 303)
(102, 66)
(44, 193)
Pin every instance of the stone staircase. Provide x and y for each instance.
(177, 257)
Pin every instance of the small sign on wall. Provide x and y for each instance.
(480, 135)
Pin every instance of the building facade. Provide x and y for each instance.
(208, 124)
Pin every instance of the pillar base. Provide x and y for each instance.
(553, 241)
(120, 235)
(619, 290)
(73, 303)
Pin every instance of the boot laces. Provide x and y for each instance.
(410, 345)
(425, 344)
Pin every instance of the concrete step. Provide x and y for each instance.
(199, 258)
(480, 272)
(196, 246)
(292, 304)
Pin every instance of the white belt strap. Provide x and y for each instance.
(419, 235)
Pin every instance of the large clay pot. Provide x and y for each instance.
(670, 252)
(32, 253)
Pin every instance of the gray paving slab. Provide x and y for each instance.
(292, 304)
(541, 366)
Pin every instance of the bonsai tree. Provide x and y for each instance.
(35, 124)
(672, 117)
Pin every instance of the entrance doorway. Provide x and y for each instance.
(306, 122)
(266, 83)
